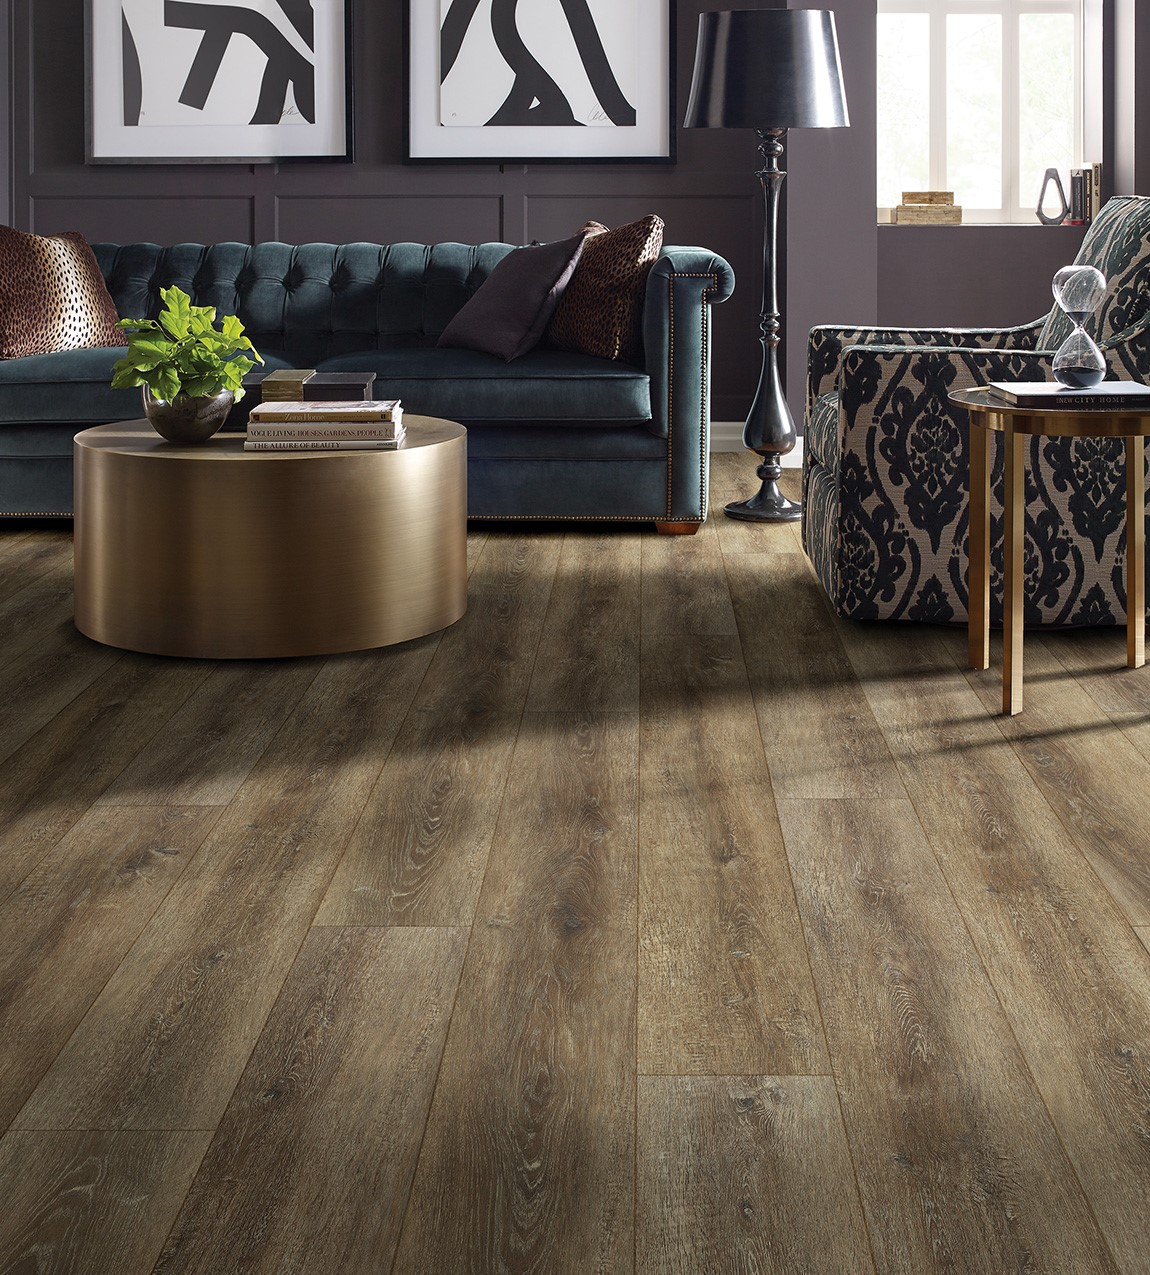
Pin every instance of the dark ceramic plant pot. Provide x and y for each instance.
(188, 420)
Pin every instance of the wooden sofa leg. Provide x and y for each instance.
(677, 528)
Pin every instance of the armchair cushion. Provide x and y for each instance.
(1118, 244)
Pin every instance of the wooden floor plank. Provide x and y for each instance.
(209, 747)
(954, 1151)
(418, 854)
(733, 479)
(1092, 776)
(67, 927)
(1067, 968)
(528, 1160)
(40, 609)
(684, 584)
(30, 556)
(588, 654)
(820, 737)
(1097, 660)
(476, 539)
(745, 1174)
(1143, 933)
(89, 1203)
(43, 679)
(723, 976)
(326, 1121)
(53, 779)
(165, 1043)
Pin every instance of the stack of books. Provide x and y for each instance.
(1106, 396)
(347, 425)
(927, 208)
(1085, 195)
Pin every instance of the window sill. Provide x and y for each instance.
(982, 225)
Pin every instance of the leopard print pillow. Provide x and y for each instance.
(52, 295)
(601, 312)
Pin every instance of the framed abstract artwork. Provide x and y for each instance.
(229, 81)
(553, 81)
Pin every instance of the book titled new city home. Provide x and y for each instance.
(1050, 394)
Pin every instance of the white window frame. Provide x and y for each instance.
(1018, 205)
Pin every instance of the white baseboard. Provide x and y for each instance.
(727, 436)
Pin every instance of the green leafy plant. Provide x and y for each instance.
(183, 352)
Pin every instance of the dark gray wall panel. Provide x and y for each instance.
(6, 215)
(969, 276)
(832, 240)
(140, 218)
(390, 219)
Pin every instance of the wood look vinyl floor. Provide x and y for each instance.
(650, 920)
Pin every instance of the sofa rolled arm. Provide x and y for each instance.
(827, 342)
(681, 287)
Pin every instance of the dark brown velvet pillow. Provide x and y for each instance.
(52, 295)
(601, 312)
(510, 310)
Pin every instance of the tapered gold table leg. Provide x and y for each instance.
(1135, 553)
(978, 575)
(1014, 500)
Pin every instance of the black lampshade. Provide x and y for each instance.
(765, 69)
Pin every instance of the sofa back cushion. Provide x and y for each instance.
(309, 302)
(1118, 244)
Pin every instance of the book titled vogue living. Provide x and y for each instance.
(324, 445)
(1106, 395)
(321, 431)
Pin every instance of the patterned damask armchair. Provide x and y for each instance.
(886, 468)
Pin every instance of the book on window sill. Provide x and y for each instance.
(1051, 394)
(323, 445)
(380, 409)
(320, 431)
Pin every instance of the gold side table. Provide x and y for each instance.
(213, 552)
(1017, 424)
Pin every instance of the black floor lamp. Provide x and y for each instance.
(770, 70)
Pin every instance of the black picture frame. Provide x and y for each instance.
(114, 81)
(650, 140)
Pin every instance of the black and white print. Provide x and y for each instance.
(523, 80)
(217, 79)
(556, 63)
(218, 62)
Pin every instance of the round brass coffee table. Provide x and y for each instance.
(210, 551)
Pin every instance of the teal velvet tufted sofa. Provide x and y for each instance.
(550, 435)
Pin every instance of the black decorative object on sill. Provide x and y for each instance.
(770, 70)
(1052, 219)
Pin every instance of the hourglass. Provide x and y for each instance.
(1078, 362)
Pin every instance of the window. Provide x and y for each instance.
(980, 97)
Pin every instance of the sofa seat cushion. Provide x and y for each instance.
(73, 386)
(544, 385)
(618, 440)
